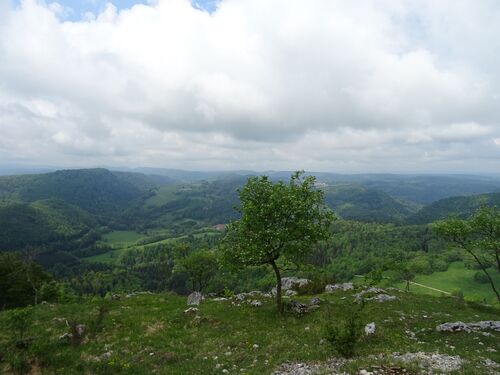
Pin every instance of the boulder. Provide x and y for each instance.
(255, 303)
(288, 283)
(194, 299)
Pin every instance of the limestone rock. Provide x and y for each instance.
(194, 299)
(370, 328)
(330, 288)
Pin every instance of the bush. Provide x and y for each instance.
(316, 286)
(50, 292)
(19, 321)
(480, 277)
(458, 294)
(345, 336)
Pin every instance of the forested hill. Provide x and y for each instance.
(70, 210)
(460, 206)
(97, 191)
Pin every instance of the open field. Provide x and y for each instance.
(164, 195)
(457, 277)
(122, 238)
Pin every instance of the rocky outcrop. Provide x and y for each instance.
(374, 294)
(434, 361)
(469, 327)
(330, 288)
(290, 283)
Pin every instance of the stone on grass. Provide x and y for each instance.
(370, 328)
(194, 299)
(469, 327)
(330, 288)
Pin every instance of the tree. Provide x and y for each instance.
(479, 236)
(19, 280)
(200, 267)
(279, 224)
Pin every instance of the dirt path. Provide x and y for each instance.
(429, 287)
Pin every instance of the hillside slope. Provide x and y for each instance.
(150, 333)
(461, 206)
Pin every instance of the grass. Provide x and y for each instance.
(150, 333)
(126, 240)
(120, 238)
(164, 195)
(457, 277)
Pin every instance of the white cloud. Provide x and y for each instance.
(328, 84)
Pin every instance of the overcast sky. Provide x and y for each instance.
(323, 85)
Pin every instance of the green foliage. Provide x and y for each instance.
(19, 321)
(19, 280)
(279, 222)
(201, 267)
(461, 206)
(277, 219)
(51, 292)
(479, 236)
(480, 277)
(345, 335)
(355, 202)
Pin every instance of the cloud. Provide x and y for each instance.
(285, 84)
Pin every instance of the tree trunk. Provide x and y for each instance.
(498, 259)
(279, 303)
(483, 268)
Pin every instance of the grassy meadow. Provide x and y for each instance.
(151, 334)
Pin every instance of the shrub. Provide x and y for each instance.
(19, 322)
(458, 294)
(480, 277)
(315, 286)
(345, 336)
(96, 324)
(51, 292)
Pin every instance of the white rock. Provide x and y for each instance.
(370, 328)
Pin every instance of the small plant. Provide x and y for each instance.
(345, 336)
(19, 322)
(227, 293)
(458, 294)
(96, 324)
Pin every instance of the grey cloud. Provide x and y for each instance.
(259, 84)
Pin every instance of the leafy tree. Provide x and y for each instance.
(19, 280)
(200, 267)
(479, 236)
(279, 223)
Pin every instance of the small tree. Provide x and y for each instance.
(279, 223)
(200, 267)
(479, 236)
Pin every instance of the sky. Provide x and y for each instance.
(347, 86)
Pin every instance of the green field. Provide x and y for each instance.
(457, 277)
(151, 333)
(122, 238)
(164, 195)
(125, 240)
